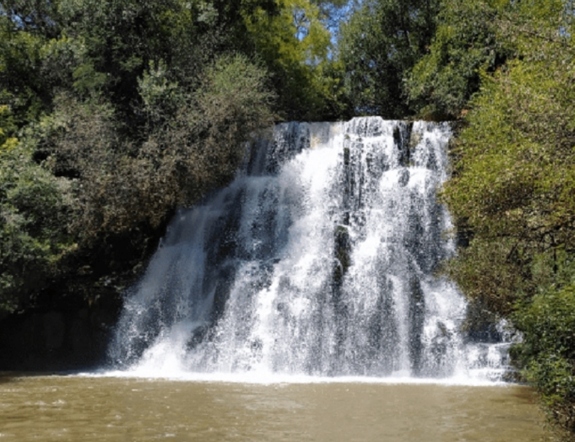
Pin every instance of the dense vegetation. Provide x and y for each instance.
(380, 43)
(113, 113)
(513, 191)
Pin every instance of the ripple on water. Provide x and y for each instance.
(73, 408)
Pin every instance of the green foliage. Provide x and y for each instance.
(547, 353)
(514, 177)
(114, 113)
(159, 94)
(487, 276)
(121, 40)
(513, 194)
(378, 46)
(294, 43)
(465, 43)
(203, 145)
(7, 127)
(118, 184)
(33, 235)
(22, 87)
(479, 36)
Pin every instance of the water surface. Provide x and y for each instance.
(73, 408)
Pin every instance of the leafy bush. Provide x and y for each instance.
(547, 353)
(33, 220)
(119, 184)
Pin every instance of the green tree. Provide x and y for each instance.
(378, 47)
(514, 177)
(474, 37)
(513, 194)
(294, 44)
(22, 88)
(112, 115)
(33, 234)
(465, 43)
(547, 351)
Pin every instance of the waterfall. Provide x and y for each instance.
(318, 259)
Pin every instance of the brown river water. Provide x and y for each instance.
(78, 408)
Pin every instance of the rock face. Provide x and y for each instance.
(54, 340)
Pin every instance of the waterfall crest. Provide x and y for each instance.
(317, 260)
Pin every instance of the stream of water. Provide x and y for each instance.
(319, 259)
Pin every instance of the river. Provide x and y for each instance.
(92, 408)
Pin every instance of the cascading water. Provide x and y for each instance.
(317, 260)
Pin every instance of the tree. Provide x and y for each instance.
(465, 43)
(22, 88)
(473, 37)
(294, 44)
(33, 219)
(378, 46)
(113, 114)
(513, 180)
(513, 194)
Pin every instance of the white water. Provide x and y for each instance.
(318, 260)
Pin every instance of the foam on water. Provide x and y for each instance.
(481, 380)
